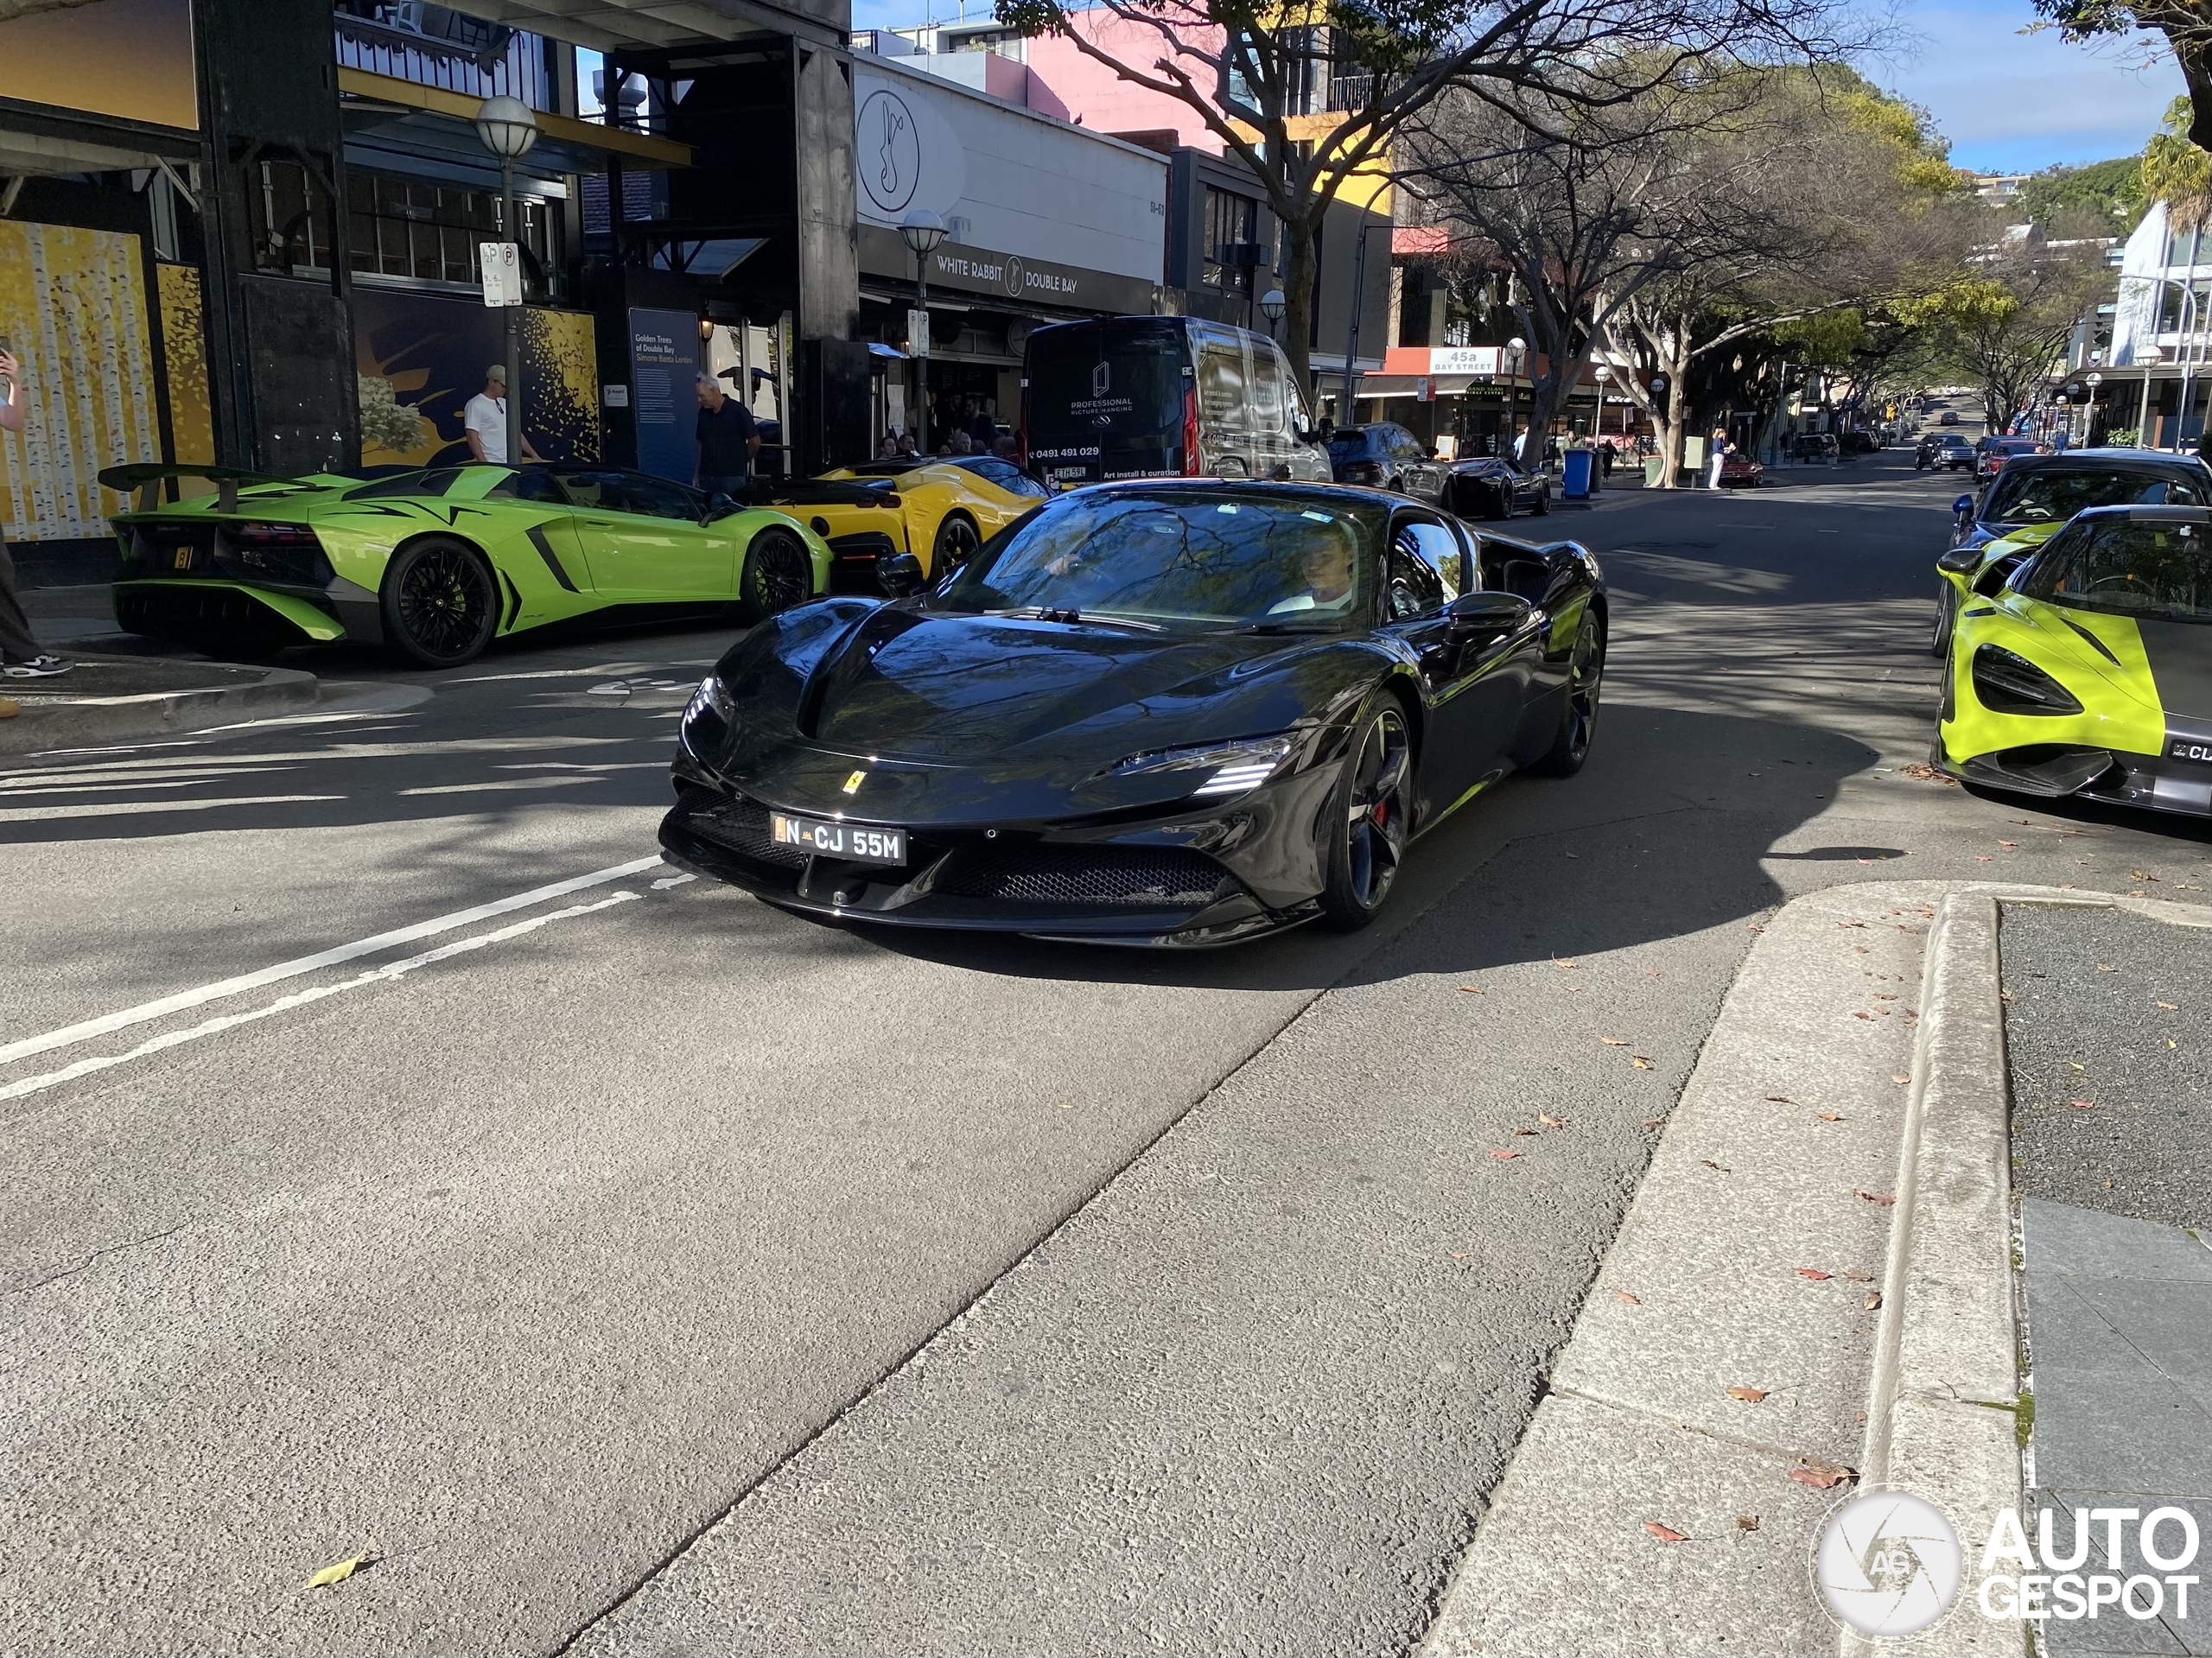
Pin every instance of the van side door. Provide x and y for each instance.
(1225, 434)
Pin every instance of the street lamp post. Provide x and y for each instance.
(1518, 346)
(509, 128)
(1273, 304)
(922, 231)
(1602, 373)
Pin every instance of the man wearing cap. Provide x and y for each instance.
(486, 420)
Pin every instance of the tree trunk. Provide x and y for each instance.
(1297, 335)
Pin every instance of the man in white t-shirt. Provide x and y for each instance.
(486, 421)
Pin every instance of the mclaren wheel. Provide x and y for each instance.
(777, 575)
(441, 602)
(1367, 824)
(1947, 616)
(957, 543)
(1579, 719)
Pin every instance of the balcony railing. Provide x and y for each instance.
(432, 47)
(1350, 91)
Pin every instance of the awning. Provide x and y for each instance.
(877, 348)
(1408, 385)
(445, 121)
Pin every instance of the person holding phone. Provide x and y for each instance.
(20, 656)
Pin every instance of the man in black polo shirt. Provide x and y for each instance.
(728, 441)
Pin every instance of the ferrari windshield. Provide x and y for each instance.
(2053, 494)
(2159, 568)
(1182, 558)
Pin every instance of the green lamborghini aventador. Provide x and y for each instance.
(2082, 666)
(436, 564)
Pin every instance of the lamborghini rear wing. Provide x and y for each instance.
(147, 477)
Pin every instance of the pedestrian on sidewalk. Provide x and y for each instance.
(1720, 450)
(484, 422)
(728, 438)
(20, 656)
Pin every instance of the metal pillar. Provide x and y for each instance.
(513, 232)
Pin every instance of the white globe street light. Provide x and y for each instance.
(508, 127)
(1273, 303)
(1519, 347)
(921, 230)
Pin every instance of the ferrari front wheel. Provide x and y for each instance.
(957, 540)
(1579, 719)
(1367, 824)
(777, 575)
(441, 604)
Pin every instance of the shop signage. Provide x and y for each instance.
(502, 272)
(664, 363)
(1013, 281)
(917, 332)
(1463, 359)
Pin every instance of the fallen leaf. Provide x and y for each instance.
(2008, 845)
(1502, 1157)
(1899, 1076)
(2170, 1007)
(1747, 1522)
(1653, 1122)
(2140, 875)
(1820, 1478)
(1470, 990)
(1982, 857)
(2106, 967)
(1811, 1272)
(1850, 923)
(1884, 1200)
(1830, 1116)
(1463, 1254)
(1524, 1131)
(1614, 1041)
(1869, 1018)
(1710, 1164)
(1568, 967)
(1633, 1300)
(1858, 1277)
(1666, 1534)
(1754, 926)
(1748, 1395)
(1779, 1099)
(1550, 1121)
(1873, 1299)
(338, 1571)
(1639, 1062)
(2082, 1105)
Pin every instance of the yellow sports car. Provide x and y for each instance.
(939, 511)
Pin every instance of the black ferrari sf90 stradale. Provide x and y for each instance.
(1156, 713)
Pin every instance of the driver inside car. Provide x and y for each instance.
(1328, 577)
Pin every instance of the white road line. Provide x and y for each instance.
(129, 808)
(561, 781)
(69, 1035)
(301, 998)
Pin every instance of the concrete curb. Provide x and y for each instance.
(90, 722)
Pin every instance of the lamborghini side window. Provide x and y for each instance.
(530, 484)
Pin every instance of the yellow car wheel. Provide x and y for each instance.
(957, 540)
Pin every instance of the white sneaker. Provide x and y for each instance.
(39, 667)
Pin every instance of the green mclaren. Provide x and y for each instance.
(2080, 660)
(433, 565)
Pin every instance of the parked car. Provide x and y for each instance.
(1992, 454)
(1859, 444)
(1163, 396)
(1168, 712)
(1494, 487)
(435, 563)
(1950, 417)
(1814, 447)
(1385, 455)
(1739, 471)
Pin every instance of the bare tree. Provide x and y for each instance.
(2005, 324)
(1309, 93)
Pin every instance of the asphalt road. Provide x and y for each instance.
(635, 1267)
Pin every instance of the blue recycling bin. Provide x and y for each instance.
(1574, 473)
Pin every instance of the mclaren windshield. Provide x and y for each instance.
(2157, 567)
(1259, 559)
(2054, 494)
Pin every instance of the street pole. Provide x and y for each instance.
(1351, 335)
(2188, 319)
(511, 232)
(922, 355)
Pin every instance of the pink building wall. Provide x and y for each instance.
(1064, 83)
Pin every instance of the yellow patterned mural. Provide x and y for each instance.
(74, 309)
(184, 341)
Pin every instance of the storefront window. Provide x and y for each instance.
(428, 231)
(1231, 221)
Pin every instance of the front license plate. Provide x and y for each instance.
(826, 838)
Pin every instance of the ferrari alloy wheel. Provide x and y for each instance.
(1579, 719)
(441, 604)
(1543, 500)
(777, 575)
(1367, 824)
(957, 543)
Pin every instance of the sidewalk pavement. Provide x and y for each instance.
(1815, 1287)
(106, 699)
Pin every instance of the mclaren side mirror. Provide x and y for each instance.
(1486, 616)
(899, 574)
(1960, 561)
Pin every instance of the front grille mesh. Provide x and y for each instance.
(742, 826)
(1151, 876)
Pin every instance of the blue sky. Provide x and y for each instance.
(2012, 103)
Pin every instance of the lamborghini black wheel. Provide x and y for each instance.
(441, 604)
(777, 575)
(1579, 719)
(957, 543)
(1367, 824)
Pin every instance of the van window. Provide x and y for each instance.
(1268, 407)
(1222, 389)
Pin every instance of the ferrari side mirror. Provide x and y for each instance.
(899, 574)
(1486, 616)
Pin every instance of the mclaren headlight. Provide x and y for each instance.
(2012, 684)
(1218, 770)
(710, 719)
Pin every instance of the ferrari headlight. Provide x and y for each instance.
(2012, 684)
(1233, 768)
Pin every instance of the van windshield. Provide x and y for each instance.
(1115, 387)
